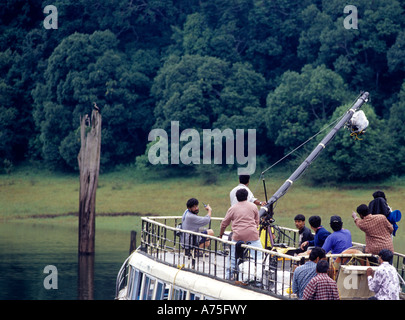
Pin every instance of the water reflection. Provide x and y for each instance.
(25, 250)
(85, 277)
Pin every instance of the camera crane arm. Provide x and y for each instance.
(268, 208)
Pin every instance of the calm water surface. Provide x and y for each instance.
(25, 250)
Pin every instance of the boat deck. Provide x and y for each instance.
(272, 274)
(250, 272)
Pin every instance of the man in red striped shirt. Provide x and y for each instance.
(321, 287)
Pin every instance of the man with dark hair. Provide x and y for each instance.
(320, 233)
(377, 228)
(321, 287)
(362, 210)
(340, 239)
(303, 274)
(242, 195)
(244, 216)
(192, 222)
(304, 233)
(191, 203)
(384, 280)
(244, 179)
(243, 184)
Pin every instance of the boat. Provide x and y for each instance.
(165, 268)
(162, 269)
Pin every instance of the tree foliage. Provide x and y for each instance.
(85, 69)
(204, 92)
(301, 103)
(369, 157)
(397, 131)
(284, 68)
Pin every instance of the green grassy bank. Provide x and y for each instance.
(37, 196)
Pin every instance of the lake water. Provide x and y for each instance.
(25, 250)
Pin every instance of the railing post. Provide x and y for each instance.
(154, 240)
(132, 244)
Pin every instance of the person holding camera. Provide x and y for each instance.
(193, 222)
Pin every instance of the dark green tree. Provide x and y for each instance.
(302, 103)
(203, 92)
(89, 68)
(8, 113)
(347, 159)
(217, 59)
(273, 36)
(397, 131)
(22, 54)
(358, 55)
(396, 54)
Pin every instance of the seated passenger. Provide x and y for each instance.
(304, 273)
(340, 239)
(192, 222)
(320, 233)
(304, 232)
(244, 217)
(384, 280)
(321, 287)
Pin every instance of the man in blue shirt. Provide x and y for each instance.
(340, 239)
(320, 233)
(303, 274)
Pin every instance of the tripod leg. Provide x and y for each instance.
(270, 234)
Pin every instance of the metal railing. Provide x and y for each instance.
(121, 278)
(161, 239)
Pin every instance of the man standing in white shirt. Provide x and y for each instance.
(384, 281)
(243, 183)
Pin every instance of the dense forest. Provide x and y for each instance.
(283, 67)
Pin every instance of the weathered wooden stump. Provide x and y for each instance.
(132, 243)
(89, 165)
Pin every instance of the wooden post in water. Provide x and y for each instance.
(89, 165)
(85, 283)
(132, 244)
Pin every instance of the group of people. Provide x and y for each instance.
(310, 281)
(243, 214)
(378, 222)
(373, 222)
